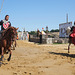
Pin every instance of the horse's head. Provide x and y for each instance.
(13, 32)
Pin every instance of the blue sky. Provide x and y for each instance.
(33, 14)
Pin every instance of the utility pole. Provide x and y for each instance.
(66, 22)
(67, 17)
(46, 31)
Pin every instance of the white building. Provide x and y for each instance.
(23, 35)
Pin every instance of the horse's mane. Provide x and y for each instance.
(7, 30)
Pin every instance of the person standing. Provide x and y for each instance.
(40, 37)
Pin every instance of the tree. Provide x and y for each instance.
(33, 33)
(56, 30)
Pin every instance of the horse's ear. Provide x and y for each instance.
(17, 28)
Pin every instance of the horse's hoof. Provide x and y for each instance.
(0, 64)
(7, 52)
(8, 59)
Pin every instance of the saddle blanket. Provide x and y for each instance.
(73, 38)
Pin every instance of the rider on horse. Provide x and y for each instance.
(72, 35)
(5, 23)
(72, 31)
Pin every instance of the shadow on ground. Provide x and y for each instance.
(63, 54)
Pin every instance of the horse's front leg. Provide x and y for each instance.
(69, 47)
(15, 43)
(10, 53)
(2, 54)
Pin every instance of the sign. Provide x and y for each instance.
(62, 29)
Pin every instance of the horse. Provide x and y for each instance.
(71, 39)
(5, 42)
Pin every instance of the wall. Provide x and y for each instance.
(48, 40)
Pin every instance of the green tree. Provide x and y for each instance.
(33, 33)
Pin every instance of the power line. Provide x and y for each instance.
(1, 6)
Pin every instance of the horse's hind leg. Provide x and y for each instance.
(69, 47)
(10, 54)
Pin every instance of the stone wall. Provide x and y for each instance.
(36, 40)
(48, 40)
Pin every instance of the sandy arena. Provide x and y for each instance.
(34, 59)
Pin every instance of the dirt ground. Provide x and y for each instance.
(34, 59)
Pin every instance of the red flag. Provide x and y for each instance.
(42, 28)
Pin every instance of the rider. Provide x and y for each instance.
(5, 23)
(72, 31)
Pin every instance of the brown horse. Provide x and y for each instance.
(5, 43)
(71, 41)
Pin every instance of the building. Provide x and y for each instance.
(23, 35)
